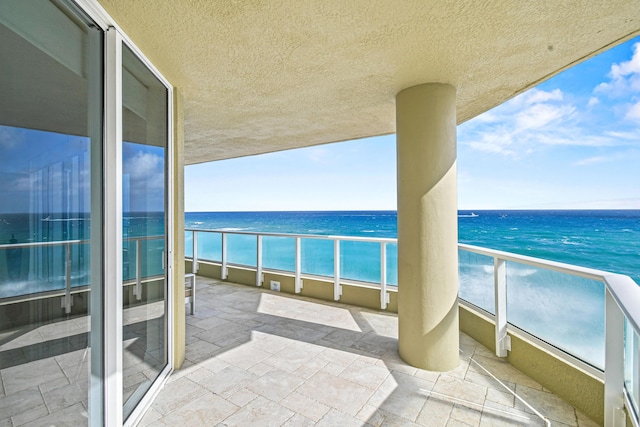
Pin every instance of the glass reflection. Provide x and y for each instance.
(50, 170)
(144, 225)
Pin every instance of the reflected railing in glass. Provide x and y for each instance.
(476, 280)
(46, 268)
(632, 365)
(392, 264)
(564, 310)
(39, 268)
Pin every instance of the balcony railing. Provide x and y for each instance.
(61, 269)
(587, 318)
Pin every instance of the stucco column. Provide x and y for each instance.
(179, 319)
(427, 227)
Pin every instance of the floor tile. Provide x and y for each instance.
(335, 418)
(336, 392)
(365, 374)
(21, 401)
(275, 385)
(244, 356)
(205, 410)
(29, 416)
(305, 406)
(259, 412)
(21, 377)
(63, 397)
(549, 405)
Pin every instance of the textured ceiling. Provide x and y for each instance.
(261, 76)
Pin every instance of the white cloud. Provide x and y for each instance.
(629, 135)
(143, 165)
(521, 125)
(536, 96)
(626, 68)
(634, 113)
(318, 154)
(624, 77)
(592, 160)
(539, 118)
(541, 115)
(10, 137)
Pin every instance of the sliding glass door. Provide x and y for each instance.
(144, 165)
(85, 125)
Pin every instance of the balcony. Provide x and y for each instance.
(258, 357)
(573, 330)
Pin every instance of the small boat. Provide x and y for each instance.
(471, 215)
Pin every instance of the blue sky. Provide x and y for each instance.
(573, 142)
(49, 173)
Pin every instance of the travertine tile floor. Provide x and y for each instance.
(260, 358)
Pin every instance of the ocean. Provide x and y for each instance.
(602, 239)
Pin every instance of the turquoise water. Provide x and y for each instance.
(565, 311)
(40, 268)
(607, 240)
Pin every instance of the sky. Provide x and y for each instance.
(49, 173)
(572, 142)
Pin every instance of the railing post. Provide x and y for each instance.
(384, 296)
(138, 289)
(194, 264)
(298, 280)
(258, 260)
(503, 341)
(337, 289)
(635, 362)
(67, 301)
(223, 268)
(614, 415)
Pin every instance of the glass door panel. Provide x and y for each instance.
(144, 166)
(51, 110)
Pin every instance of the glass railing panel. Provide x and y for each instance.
(632, 365)
(152, 251)
(188, 244)
(14, 272)
(392, 264)
(210, 246)
(80, 264)
(476, 280)
(242, 249)
(279, 253)
(317, 256)
(564, 310)
(360, 261)
(37, 269)
(129, 260)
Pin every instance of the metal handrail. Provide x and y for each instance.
(304, 236)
